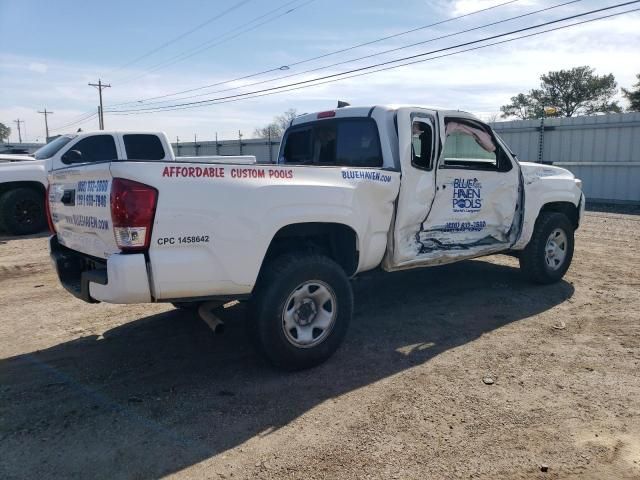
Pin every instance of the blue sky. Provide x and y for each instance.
(50, 50)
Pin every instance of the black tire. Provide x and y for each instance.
(279, 281)
(533, 261)
(22, 211)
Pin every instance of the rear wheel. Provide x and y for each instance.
(22, 211)
(548, 255)
(301, 310)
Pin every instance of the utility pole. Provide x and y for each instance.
(46, 124)
(240, 140)
(18, 122)
(100, 86)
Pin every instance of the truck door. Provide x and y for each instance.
(418, 144)
(462, 202)
(476, 206)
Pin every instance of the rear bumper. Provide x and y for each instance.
(118, 279)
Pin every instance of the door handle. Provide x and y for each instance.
(69, 198)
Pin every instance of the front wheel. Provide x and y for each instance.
(300, 311)
(22, 211)
(548, 255)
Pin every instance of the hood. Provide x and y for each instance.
(29, 164)
(31, 171)
(531, 171)
(4, 157)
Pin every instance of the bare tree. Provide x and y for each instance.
(493, 118)
(276, 128)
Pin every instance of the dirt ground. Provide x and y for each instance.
(106, 391)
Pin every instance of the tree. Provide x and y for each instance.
(633, 96)
(276, 128)
(522, 106)
(492, 118)
(578, 91)
(272, 130)
(4, 132)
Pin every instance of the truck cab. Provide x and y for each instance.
(460, 194)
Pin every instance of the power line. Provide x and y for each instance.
(46, 123)
(397, 66)
(220, 39)
(369, 67)
(82, 115)
(183, 35)
(85, 118)
(372, 55)
(342, 50)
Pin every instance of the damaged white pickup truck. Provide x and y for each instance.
(354, 189)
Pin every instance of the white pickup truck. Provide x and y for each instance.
(354, 189)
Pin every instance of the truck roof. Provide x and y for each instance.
(365, 111)
(113, 132)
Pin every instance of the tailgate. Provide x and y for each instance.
(80, 209)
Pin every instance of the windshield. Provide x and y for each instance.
(51, 148)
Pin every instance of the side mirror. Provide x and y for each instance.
(72, 156)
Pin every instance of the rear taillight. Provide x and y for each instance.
(47, 211)
(133, 207)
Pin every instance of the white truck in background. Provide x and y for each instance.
(23, 182)
(354, 189)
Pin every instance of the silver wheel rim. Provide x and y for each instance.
(309, 314)
(556, 249)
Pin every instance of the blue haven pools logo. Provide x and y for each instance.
(467, 195)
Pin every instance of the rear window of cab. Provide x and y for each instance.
(143, 147)
(347, 142)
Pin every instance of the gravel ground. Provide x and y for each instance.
(107, 391)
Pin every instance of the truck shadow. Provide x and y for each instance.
(162, 393)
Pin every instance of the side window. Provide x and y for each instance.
(422, 145)
(469, 146)
(97, 148)
(143, 147)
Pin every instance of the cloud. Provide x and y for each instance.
(38, 67)
(462, 7)
(478, 81)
